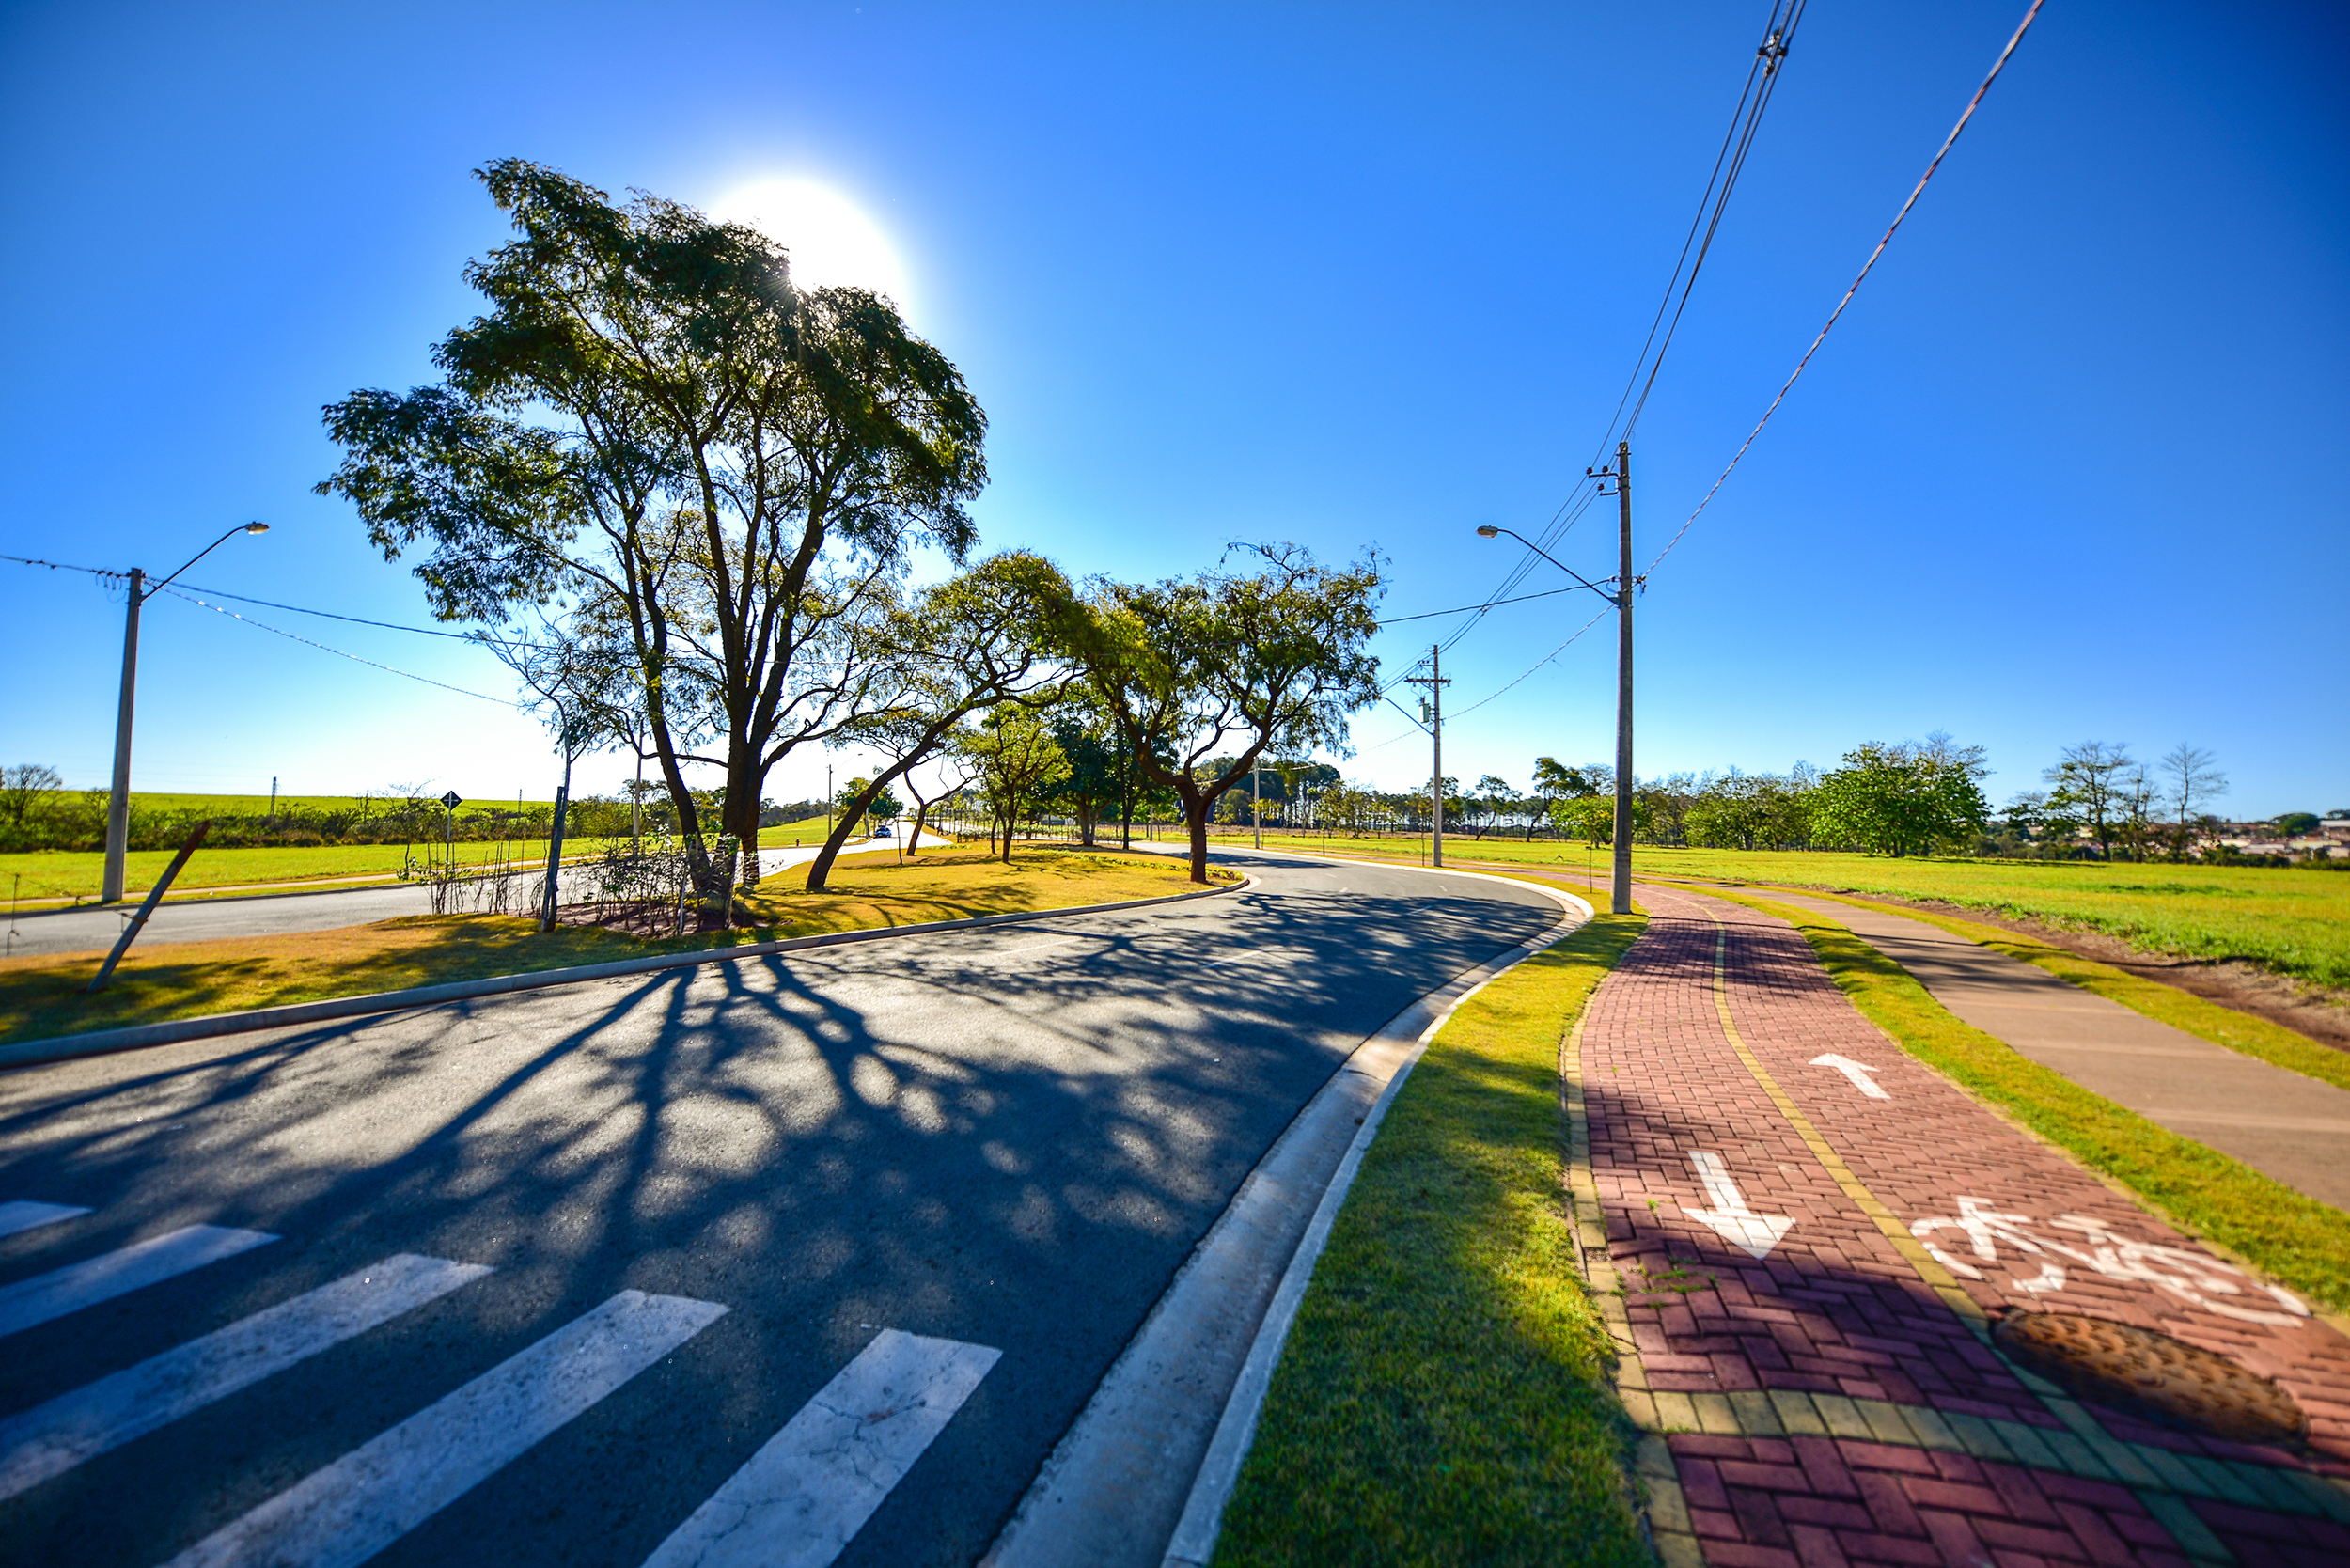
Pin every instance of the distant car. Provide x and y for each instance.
(882, 832)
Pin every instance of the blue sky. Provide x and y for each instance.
(1352, 275)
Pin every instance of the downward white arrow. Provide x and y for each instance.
(1855, 1072)
(1730, 1218)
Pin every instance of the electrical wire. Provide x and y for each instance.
(1947, 142)
(1538, 664)
(272, 604)
(354, 658)
(1762, 77)
(1461, 609)
(1713, 202)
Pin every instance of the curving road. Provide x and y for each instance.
(894, 1210)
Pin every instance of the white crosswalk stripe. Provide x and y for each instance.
(798, 1502)
(804, 1495)
(339, 1516)
(24, 1215)
(34, 1301)
(52, 1438)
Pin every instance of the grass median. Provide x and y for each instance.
(2293, 921)
(2293, 1239)
(40, 997)
(1443, 1396)
(2166, 1004)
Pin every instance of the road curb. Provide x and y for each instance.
(33, 1053)
(1159, 1442)
(1193, 1542)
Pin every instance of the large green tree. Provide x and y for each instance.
(989, 640)
(1903, 798)
(1273, 658)
(651, 427)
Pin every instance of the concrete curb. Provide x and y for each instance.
(30, 1052)
(1160, 1440)
(1193, 1542)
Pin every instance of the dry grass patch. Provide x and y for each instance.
(40, 997)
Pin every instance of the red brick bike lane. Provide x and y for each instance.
(1811, 1255)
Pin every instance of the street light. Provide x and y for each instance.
(118, 804)
(1620, 895)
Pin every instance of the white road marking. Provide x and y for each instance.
(127, 1268)
(1730, 1218)
(52, 1438)
(1855, 1072)
(804, 1495)
(24, 1215)
(340, 1516)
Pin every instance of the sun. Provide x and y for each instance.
(830, 238)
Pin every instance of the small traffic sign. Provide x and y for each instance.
(452, 800)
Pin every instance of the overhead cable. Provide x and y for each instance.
(354, 658)
(1947, 142)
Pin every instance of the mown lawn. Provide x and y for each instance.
(2291, 921)
(1443, 1396)
(40, 997)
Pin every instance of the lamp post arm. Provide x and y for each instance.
(240, 528)
(1553, 560)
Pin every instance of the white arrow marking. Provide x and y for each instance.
(1730, 1218)
(1855, 1072)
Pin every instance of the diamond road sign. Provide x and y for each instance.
(452, 800)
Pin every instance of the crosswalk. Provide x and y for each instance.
(797, 1502)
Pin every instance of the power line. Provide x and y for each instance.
(1947, 142)
(1753, 98)
(1459, 609)
(1762, 77)
(1537, 664)
(296, 636)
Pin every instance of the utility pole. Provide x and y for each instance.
(1256, 796)
(1435, 682)
(119, 803)
(1620, 894)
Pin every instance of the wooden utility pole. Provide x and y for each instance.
(1435, 682)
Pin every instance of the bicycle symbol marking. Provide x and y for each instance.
(2192, 1277)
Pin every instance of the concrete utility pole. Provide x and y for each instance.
(119, 802)
(1620, 895)
(1435, 682)
(1256, 796)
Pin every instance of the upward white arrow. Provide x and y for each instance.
(1730, 1218)
(1855, 1072)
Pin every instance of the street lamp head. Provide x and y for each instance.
(257, 527)
(1489, 531)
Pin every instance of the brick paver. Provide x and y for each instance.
(1835, 1400)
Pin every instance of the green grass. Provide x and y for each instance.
(1444, 1396)
(2167, 1004)
(2295, 1239)
(2291, 921)
(40, 997)
(257, 804)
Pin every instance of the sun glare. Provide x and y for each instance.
(830, 238)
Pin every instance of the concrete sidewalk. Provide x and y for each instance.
(1804, 1263)
(2292, 1128)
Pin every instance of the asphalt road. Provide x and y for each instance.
(91, 929)
(894, 1208)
